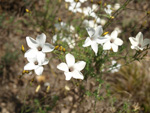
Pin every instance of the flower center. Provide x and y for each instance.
(71, 69)
(92, 38)
(140, 45)
(112, 41)
(39, 48)
(36, 63)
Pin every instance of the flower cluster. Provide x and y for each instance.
(36, 55)
(111, 42)
(108, 41)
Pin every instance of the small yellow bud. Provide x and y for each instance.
(22, 49)
(59, 20)
(112, 8)
(24, 71)
(56, 47)
(105, 4)
(92, 1)
(112, 17)
(28, 11)
(37, 88)
(105, 33)
(60, 48)
(48, 88)
(66, 5)
(76, 0)
(111, 49)
(99, 2)
(63, 49)
(32, 80)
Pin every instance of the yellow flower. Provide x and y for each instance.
(28, 11)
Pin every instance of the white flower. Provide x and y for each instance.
(72, 69)
(71, 28)
(115, 67)
(60, 26)
(38, 47)
(95, 38)
(88, 11)
(36, 65)
(108, 10)
(138, 43)
(116, 6)
(70, 41)
(94, 7)
(90, 23)
(75, 7)
(112, 42)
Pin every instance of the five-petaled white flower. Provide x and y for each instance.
(95, 38)
(108, 10)
(138, 43)
(72, 69)
(38, 47)
(75, 7)
(36, 65)
(112, 42)
(115, 66)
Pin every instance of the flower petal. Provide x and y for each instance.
(39, 70)
(114, 47)
(98, 32)
(133, 41)
(146, 42)
(70, 60)
(107, 46)
(41, 39)
(46, 61)
(94, 46)
(134, 47)
(31, 53)
(32, 60)
(139, 38)
(118, 41)
(114, 34)
(87, 42)
(40, 57)
(63, 67)
(31, 42)
(29, 66)
(77, 75)
(68, 75)
(80, 65)
(101, 40)
(90, 31)
(47, 47)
